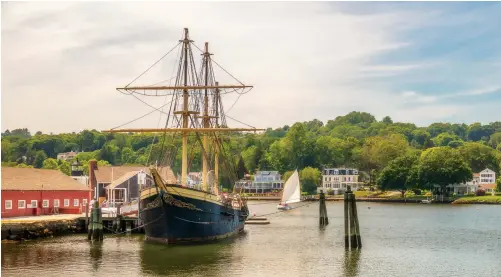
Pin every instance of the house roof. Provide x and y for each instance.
(476, 174)
(122, 179)
(488, 186)
(37, 179)
(109, 174)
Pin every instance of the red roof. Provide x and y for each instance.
(488, 186)
(14, 178)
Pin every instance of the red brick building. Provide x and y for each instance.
(31, 191)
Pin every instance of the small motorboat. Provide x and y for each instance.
(283, 206)
(426, 201)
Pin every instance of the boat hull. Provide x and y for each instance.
(180, 218)
(282, 207)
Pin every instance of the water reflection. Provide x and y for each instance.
(96, 254)
(175, 260)
(351, 258)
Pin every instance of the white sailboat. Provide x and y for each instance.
(291, 193)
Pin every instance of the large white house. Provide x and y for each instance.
(485, 180)
(337, 179)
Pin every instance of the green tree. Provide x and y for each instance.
(397, 174)
(419, 137)
(40, 157)
(65, 168)
(287, 175)
(444, 139)
(479, 156)
(329, 151)
(50, 163)
(443, 166)
(495, 140)
(387, 120)
(310, 179)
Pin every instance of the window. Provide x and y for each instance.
(45, 203)
(21, 204)
(75, 202)
(66, 202)
(56, 203)
(34, 203)
(8, 204)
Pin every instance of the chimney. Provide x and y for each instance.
(92, 176)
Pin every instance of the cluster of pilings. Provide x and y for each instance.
(351, 228)
(352, 238)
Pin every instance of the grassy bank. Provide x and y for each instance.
(479, 200)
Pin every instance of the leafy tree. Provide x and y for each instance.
(329, 151)
(479, 156)
(476, 131)
(65, 168)
(397, 174)
(50, 163)
(419, 137)
(444, 139)
(498, 184)
(40, 157)
(310, 179)
(387, 120)
(443, 166)
(241, 171)
(494, 140)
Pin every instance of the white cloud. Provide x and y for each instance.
(62, 61)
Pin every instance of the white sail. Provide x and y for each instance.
(292, 190)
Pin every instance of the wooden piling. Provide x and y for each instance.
(324, 220)
(346, 221)
(96, 224)
(355, 218)
(352, 237)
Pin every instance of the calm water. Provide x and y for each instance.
(398, 240)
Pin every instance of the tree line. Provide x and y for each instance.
(393, 155)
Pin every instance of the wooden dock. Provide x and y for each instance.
(258, 220)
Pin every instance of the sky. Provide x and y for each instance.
(416, 62)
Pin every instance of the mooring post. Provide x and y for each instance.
(352, 238)
(324, 220)
(96, 230)
(346, 221)
(357, 226)
(86, 217)
(353, 232)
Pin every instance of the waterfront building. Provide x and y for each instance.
(120, 184)
(337, 180)
(33, 191)
(264, 181)
(483, 180)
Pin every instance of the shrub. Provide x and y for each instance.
(330, 192)
(480, 192)
(417, 191)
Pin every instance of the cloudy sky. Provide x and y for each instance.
(416, 62)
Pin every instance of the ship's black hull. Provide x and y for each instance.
(184, 218)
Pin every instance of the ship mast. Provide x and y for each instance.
(190, 108)
(205, 144)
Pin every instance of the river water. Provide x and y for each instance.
(398, 240)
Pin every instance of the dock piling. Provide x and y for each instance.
(95, 232)
(324, 220)
(352, 237)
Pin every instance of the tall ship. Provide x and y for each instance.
(172, 211)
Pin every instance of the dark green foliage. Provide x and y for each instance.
(353, 140)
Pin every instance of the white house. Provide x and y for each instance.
(485, 180)
(264, 181)
(337, 179)
(487, 176)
